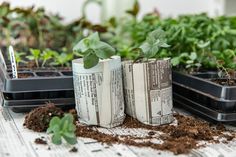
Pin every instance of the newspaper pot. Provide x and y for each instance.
(148, 91)
(99, 92)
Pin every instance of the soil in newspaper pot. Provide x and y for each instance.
(148, 82)
(98, 83)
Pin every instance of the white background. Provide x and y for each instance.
(71, 9)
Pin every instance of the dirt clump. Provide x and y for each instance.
(73, 150)
(38, 119)
(40, 141)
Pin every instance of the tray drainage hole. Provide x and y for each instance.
(47, 74)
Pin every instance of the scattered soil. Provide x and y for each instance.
(39, 118)
(225, 82)
(179, 139)
(40, 141)
(74, 113)
(73, 150)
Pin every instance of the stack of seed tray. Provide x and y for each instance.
(200, 94)
(34, 88)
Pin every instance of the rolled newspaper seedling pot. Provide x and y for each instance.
(148, 91)
(99, 92)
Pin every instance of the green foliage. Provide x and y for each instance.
(62, 59)
(35, 55)
(62, 128)
(19, 58)
(154, 41)
(209, 38)
(92, 49)
(47, 55)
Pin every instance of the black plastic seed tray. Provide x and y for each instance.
(203, 111)
(199, 93)
(36, 80)
(26, 104)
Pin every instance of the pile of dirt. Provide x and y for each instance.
(179, 139)
(39, 118)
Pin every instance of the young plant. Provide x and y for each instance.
(154, 42)
(19, 58)
(47, 54)
(189, 61)
(35, 55)
(62, 59)
(62, 128)
(92, 49)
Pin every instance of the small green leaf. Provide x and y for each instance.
(56, 139)
(175, 61)
(189, 61)
(202, 44)
(54, 121)
(104, 50)
(193, 56)
(91, 48)
(70, 140)
(90, 60)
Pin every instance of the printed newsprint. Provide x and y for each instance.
(15, 141)
(99, 93)
(148, 91)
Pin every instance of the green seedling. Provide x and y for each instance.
(19, 58)
(62, 129)
(62, 59)
(35, 56)
(154, 42)
(92, 49)
(47, 55)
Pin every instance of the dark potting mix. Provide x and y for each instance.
(180, 137)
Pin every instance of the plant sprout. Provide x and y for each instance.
(62, 128)
(154, 42)
(92, 49)
(62, 59)
(47, 54)
(35, 56)
(19, 58)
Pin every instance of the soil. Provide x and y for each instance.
(73, 150)
(40, 141)
(38, 119)
(25, 75)
(225, 82)
(179, 139)
(48, 74)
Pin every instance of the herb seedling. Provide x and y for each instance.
(62, 59)
(35, 55)
(47, 54)
(92, 49)
(154, 42)
(19, 58)
(62, 128)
